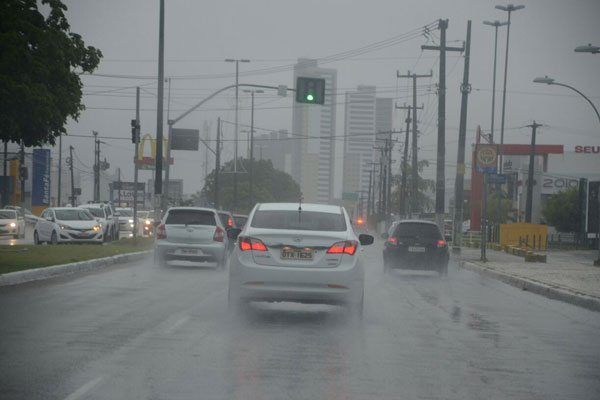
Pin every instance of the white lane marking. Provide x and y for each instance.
(176, 325)
(84, 389)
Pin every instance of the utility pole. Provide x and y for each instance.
(369, 194)
(96, 167)
(465, 89)
(73, 202)
(440, 185)
(5, 183)
(235, 156)
(217, 162)
(119, 191)
(59, 169)
(404, 191)
(415, 173)
(529, 203)
(484, 219)
(135, 162)
(252, 92)
(165, 196)
(159, 114)
(22, 176)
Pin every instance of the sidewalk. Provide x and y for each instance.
(569, 276)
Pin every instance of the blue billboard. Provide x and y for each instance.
(40, 191)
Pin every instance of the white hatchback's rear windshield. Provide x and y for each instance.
(299, 220)
(191, 217)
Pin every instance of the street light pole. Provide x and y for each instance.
(550, 81)
(235, 153)
(529, 203)
(510, 8)
(496, 24)
(252, 92)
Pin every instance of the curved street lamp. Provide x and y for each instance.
(550, 81)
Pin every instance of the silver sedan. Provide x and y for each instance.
(306, 253)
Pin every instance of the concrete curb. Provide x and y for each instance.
(543, 289)
(16, 278)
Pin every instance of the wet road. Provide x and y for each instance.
(145, 332)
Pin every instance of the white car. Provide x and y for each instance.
(67, 225)
(125, 219)
(191, 234)
(110, 222)
(101, 215)
(12, 223)
(306, 253)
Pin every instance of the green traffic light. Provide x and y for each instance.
(309, 97)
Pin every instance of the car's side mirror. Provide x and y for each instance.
(233, 233)
(384, 235)
(365, 240)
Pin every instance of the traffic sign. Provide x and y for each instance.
(496, 179)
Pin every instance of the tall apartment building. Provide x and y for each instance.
(277, 147)
(367, 121)
(314, 127)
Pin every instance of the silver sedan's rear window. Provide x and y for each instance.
(299, 220)
(190, 217)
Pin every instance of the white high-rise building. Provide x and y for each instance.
(314, 126)
(368, 121)
(359, 138)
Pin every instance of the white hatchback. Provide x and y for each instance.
(305, 253)
(67, 225)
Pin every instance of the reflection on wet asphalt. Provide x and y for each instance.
(142, 331)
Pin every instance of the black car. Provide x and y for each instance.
(415, 245)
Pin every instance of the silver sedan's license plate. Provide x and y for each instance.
(296, 254)
(415, 249)
(189, 251)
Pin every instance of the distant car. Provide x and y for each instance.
(12, 223)
(229, 222)
(360, 225)
(30, 218)
(145, 222)
(227, 219)
(101, 215)
(416, 245)
(448, 228)
(191, 234)
(240, 220)
(67, 225)
(125, 219)
(304, 254)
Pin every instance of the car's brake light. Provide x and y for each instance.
(229, 222)
(393, 241)
(161, 232)
(441, 243)
(250, 243)
(347, 247)
(219, 235)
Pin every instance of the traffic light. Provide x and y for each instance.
(134, 131)
(310, 90)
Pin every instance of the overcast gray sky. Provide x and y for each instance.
(199, 35)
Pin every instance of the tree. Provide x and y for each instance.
(40, 63)
(270, 185)
(423, 186)
(562, 210)
(491, 211)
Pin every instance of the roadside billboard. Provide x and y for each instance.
(40, 190)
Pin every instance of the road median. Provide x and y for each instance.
(29, 262)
